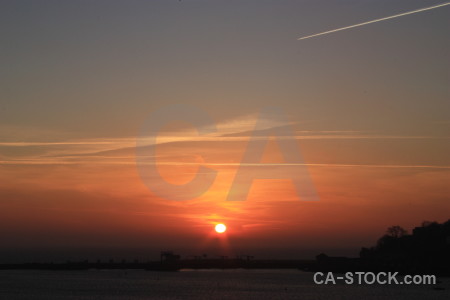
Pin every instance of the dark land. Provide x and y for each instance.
(425, 251)
(234, 263)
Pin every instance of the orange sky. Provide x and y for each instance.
(98, 199)
(368, 108)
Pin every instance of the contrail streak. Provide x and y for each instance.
(377, 20)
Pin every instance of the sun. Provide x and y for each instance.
(220, 228)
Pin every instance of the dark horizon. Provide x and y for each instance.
(122, 254)
(62, 255)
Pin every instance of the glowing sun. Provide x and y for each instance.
(220, 228)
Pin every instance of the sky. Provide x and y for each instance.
(368, 108)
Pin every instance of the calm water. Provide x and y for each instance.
(191, 284)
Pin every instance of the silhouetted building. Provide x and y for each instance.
(169, 256)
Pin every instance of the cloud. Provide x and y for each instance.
(122, 150)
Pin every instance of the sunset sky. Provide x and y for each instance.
(369, 108)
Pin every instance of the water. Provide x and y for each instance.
(197, 284)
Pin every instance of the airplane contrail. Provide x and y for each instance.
(377, 20)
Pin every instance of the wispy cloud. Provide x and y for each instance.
(121, 150)
(130, 161)
(130, 142)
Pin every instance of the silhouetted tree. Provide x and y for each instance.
(425, 250)
(396, 231)
(429, 223)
